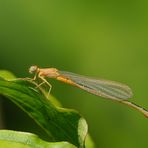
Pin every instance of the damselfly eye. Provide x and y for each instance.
(33, 69)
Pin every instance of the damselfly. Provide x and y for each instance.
(105, 88)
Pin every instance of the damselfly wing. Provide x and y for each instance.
(100, 87)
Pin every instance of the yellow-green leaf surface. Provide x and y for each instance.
(59, 123)
(10, 139)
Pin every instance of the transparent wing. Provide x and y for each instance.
(105, 88)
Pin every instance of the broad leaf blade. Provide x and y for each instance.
(7, 75)
(9, 139)
(59, 123)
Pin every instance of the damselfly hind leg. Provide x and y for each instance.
(46, 82)
(38, 85)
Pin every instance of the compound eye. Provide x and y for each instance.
(33, 69)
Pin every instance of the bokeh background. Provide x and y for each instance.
(106, 39)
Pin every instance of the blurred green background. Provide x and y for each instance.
(106, 39)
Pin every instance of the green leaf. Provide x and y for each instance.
(59, 123)
(9, 139)
(7, 75)
(89, 142)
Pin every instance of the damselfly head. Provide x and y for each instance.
(33, 69)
